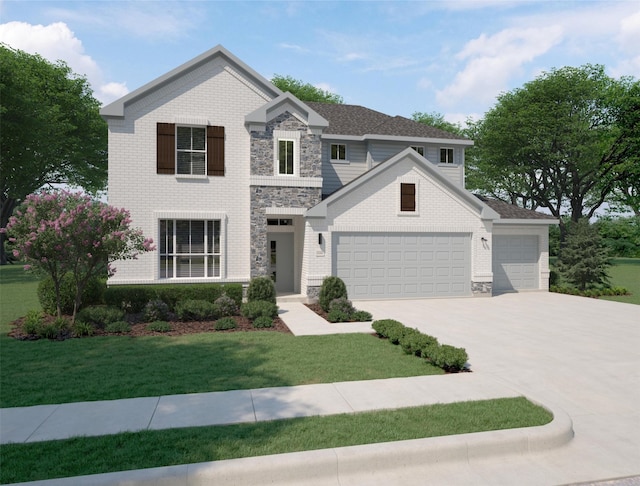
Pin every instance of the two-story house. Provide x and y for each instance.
(234, 179)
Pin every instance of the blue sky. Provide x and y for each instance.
(452, 57)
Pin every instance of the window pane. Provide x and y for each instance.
(199, 138)
(198, 163)
(184, 137)
(216, 238)
(166, 267)
(213, 266)
(197, 266)
(197, 237)
(182, 236)
(184, 162)
(163, 236)
(334, 151)
(182, 267)
(342, 155)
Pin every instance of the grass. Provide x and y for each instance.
(625, 272)
(93, 455)
(18, 295)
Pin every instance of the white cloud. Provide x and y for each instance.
(293, 47)
(57, 42)
(491, 61)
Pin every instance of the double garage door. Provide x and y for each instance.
(403, 265)
(515, 263)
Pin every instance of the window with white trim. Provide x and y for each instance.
(286, 157)
(419, 149)
(338, 152)
(446, 156)
(189, 248)
(191, 146)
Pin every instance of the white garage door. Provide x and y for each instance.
(515, 262)
(403, 265)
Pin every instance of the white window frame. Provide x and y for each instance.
(408, 180)
(338, 160)
(419, 149)
(286, 136)
(447, 151)
(169, 243)
(191, 150)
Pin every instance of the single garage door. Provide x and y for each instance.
(403, 265)
(515, 263)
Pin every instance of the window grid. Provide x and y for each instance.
(189, 248)
(191, 147)
(285, 157)
(338, 151)
(446, 156)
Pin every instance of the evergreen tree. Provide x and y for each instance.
(583, 259)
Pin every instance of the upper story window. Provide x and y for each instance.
(446, 156)
(419, 149)
(286, 152)
(190, 150)
(338, 152)
(286, 157)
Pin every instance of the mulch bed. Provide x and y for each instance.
(178, 328)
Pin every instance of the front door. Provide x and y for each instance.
(281, 261)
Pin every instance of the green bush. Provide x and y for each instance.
(155, 310)
(84, 329)
(101, 315)
(58, 329)
(225, 323)
(226, 306)
(196, 310)
(343, 305)
(119, 327)
(92, 294)
(408, 340)
(159, 326)
(361, 316)
(261, 289)
(336, 315)
(332, 288)
(384, 326)
(448, 357)
(129, 298)
(254, 309)
(262, 322)
(33, 322)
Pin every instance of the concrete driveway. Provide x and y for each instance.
(580, 354)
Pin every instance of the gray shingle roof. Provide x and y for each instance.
(511, 211)
(358, 121)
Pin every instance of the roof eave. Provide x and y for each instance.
(541, 221)
(398, 138)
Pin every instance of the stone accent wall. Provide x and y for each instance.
(262, 146)
(481, 289)
(263, 197)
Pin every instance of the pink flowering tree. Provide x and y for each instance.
(61, 232)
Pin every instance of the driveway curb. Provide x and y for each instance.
(329, 466)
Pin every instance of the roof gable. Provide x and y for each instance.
(116, 109)
(258, 119)
(484, 211)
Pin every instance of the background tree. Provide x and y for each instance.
(435, 119)
(583, 259)
(57, 233)
(304, 91)
(562, 142)
(51, 130)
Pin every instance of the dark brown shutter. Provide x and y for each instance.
(166, 147)
(215, 151)
(407, 197)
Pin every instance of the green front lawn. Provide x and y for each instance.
(625, 272)
(93, 455)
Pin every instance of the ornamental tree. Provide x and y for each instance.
(59, 232)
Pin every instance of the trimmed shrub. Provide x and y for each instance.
(253, 310)
(384, 326)
(343, 305)
(129, 298)
(261, 289)
(408, 339)
(156, 310)
(332, 288)
(225, 323)
(448, 357)
(92, 294)
(263, 322)
(361, 316)
(159, 326)
(226, 306)
(83, 329)
(119, 327)
(336, 315)
(196, 310)
(101, 315)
